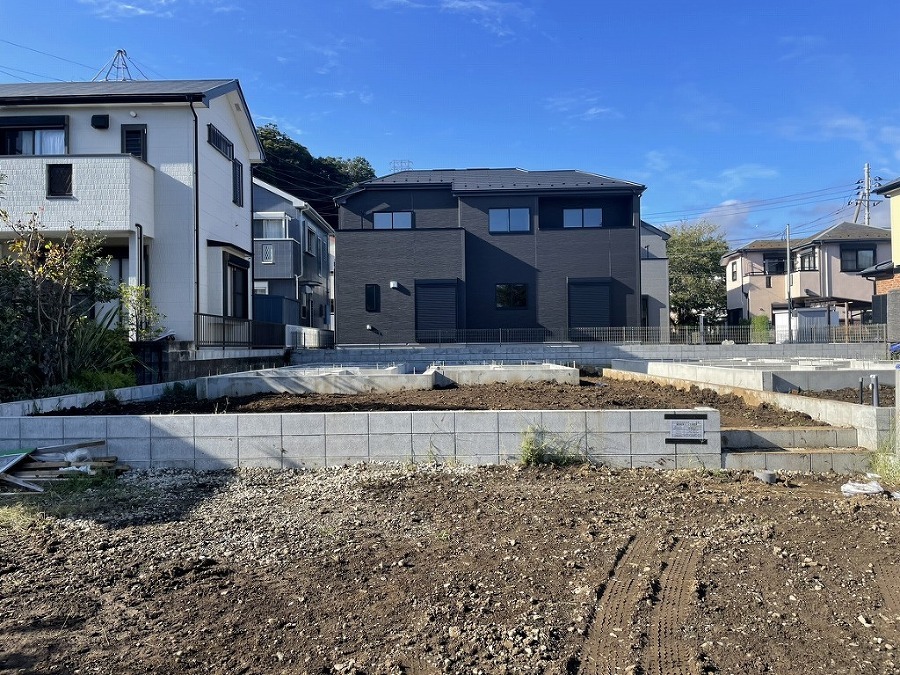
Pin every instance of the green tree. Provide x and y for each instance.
(289, 166)
(46, 286)
(696, 277)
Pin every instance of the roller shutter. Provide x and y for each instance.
(436, 310)
(588, 304)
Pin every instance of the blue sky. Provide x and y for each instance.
(752, 115)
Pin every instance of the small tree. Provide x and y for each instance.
(138, 316)
(696, 278)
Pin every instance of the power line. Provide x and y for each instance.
(28, 72)
(15, 76)
(53, 56)
(776, 202)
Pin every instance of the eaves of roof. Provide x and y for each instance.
(893, 186)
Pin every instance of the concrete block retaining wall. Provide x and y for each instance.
(872, 425)
(583, 353)
(625, 439)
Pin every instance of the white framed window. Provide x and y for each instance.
(267, 254)
(270, 228)
(509, 220)
(393, 220)
(582, 218)
(261, 287)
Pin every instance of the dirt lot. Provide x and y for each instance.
(388, 569)
(594, 393)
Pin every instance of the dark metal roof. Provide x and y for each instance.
(137, 91)
(888, 187)
(498, 180)
(883, 268)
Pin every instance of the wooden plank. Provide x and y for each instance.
(98, 463)
(21, 483)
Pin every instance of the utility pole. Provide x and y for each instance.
(789, 277)
(864, 200)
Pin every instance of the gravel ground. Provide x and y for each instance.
(438, 569)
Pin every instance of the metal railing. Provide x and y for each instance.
(686, 335)
(227, 332)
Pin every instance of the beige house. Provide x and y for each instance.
(824, 273)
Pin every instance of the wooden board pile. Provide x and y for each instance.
(28, 468)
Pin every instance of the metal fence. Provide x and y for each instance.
(226, 332)
(641, 335)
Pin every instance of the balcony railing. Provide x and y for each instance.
(227, 332)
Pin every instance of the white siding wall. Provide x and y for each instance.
(220, 218)
(170, 149)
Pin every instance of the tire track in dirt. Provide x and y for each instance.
(666, 652)
(608, 648)
(890, 593)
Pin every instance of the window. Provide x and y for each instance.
(310, 241)
(59, 180)
(734, 271)
(269, 228)
(582, 218)
(33, 135)
(236, 282)
(267, 254)
(261, 287)
(856, 259)
(134, 140)
(509, 220)
(373, 298)
(512, 296)
(774, 264)
(807, 261)
(237, 182)
(768, 282)
(219, 141)
(393, 220)
(320, 259)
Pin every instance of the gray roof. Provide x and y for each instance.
(878, 269)
(888, 187)
(846, 232)
(498, 180)
(652, 229)
(840, 232)
(130, 90)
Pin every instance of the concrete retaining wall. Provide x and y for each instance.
(817, 462)
(146, 392)
(873, 425)
(583, 353)
(539, 372)
(794, 437)
(618, 438)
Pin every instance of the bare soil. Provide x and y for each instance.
(387, 570)
(593, 393)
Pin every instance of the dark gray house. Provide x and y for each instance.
(463, 254)
(291, 260)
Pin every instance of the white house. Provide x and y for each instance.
(161, 169)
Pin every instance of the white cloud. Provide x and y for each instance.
(580, 105)
(164, 9)
(363, 97)
(731, 179)
(115, 9)
(803, 48)
(496, 16)
(656, 161)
